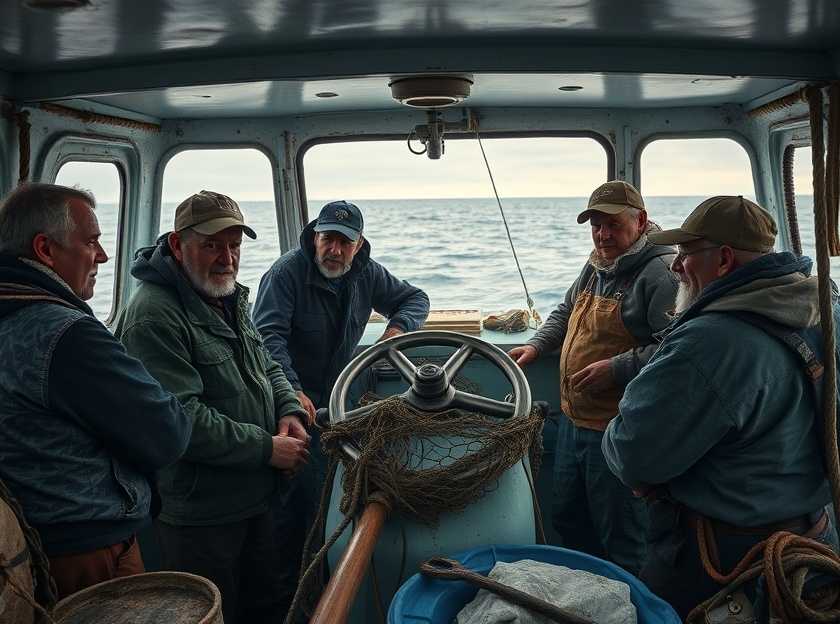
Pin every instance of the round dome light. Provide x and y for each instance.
(430, 91)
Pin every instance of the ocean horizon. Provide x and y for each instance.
(455, 249)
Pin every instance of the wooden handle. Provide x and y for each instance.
(334, 605)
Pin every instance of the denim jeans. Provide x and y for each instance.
(593, 511)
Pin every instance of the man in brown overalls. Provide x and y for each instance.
(604, 329)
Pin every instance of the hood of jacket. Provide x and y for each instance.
(307, 244)
(777, 286)
(24, 282)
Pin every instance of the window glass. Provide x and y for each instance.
(436, 223)
(677, 174)
(104, 181)
(803, 187)
(245, 176)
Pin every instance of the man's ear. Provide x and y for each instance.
(44, 249)
(728, 262)
(174, 240)
(360, 242)
(643, 219)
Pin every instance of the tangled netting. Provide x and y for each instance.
(427, 463)
(420, 463)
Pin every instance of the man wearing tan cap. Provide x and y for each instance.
(604, 329)
(718, 430)
(189, 324)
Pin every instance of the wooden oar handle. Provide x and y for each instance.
(334, 605)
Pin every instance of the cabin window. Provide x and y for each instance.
(803, 188)
(245, 176)
(104, 180)
(677, 174)
(436, 223)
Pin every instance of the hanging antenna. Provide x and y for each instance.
(534, 314)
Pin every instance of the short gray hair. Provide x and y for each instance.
(33, 209)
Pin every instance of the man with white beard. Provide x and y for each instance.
(188, 323)
(719, 430)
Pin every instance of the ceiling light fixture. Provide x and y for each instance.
(430, 91)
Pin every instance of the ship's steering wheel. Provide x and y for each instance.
(431, 386)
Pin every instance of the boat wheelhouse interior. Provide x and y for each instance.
(151, 98)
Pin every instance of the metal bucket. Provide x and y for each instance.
(171, 597)
(15, 554)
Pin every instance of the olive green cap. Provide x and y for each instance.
(612, 198)
(726, 220)
(209, 213)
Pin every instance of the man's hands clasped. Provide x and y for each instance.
(289, 448)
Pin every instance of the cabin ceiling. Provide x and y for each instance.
(161, 58)
(279, 98)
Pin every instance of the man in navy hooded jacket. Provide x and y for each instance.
(311, 309)
(314, 302)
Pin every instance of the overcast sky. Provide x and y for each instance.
(527, 167)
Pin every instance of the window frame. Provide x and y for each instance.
(168, 155)
(604, 142)
(731, 135)
(123, 154)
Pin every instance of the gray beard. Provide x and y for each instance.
(331, 274)
(686, 296)
(207, 288)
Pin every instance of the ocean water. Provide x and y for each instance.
(455, 249)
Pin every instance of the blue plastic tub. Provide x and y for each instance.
(428, 601)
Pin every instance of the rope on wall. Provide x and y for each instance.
(790, 199)
(89, 117)
(779, 104)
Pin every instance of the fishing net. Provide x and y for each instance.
(419, 463)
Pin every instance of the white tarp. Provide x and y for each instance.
(598, 598)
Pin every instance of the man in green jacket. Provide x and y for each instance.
(189, 324)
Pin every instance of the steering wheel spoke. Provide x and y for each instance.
(400, 361)
(456, 361)
(484, 405)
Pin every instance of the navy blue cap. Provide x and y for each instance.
(342, 217)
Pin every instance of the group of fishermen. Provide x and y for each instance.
(685, 400)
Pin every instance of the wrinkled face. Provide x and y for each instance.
(76, 259)
(615, 234)
(210, 262)
(334, 253)
(696, 265)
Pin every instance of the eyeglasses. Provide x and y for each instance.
(681, 255)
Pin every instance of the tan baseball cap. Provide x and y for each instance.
(209, 213)
(612, 198)
(726, 220)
